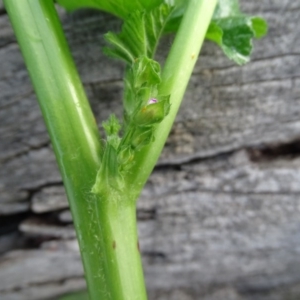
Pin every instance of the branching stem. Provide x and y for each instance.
(105, 224)
(175, 77)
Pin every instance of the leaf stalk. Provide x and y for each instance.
(175, 77)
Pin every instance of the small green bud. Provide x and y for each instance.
(142, 137)
(141, 81)
(112, 125)
(125, 156)
(153, 113)
(146, 70)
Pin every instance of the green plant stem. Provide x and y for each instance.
(106, 231)
(119, 243)
(175, 77)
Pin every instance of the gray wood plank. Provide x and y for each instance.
(219, 217)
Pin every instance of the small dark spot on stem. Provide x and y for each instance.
(114, 244)
(138, 246)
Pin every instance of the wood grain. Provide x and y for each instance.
(219, 217)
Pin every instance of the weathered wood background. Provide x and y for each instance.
(220, 216)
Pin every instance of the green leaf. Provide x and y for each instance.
(109, 175)
(141, 81)
(120, 8)
(259, 26)
(234, 35)
(140, 34)
(234, 31)
(230, 29)
(215, 33)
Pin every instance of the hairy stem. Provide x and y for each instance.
(119, 246)
(106, 228)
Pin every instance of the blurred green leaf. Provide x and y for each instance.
(234, 35)
(120, 8)
(234, 31)
(230, 29)
(139, 35)
(153, 113)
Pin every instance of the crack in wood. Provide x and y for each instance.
(42, 284)
(2, 11)
(289, 150)
(29, 148)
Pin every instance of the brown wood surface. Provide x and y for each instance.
(220, 216)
